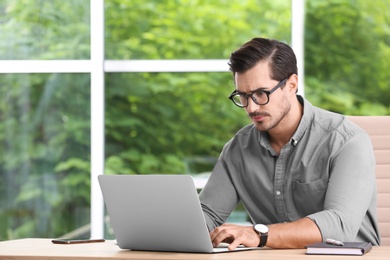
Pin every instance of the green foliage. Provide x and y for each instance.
(347, 72)
(46, 30)
(167, 116)
(190, 29)
(45, 153)
(157, 122)
(157, 116)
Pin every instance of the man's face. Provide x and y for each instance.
(269, 116)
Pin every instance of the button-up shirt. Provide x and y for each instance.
(326, 172)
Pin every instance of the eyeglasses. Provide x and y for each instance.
(260, 97)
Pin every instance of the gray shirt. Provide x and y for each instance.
(326, 172)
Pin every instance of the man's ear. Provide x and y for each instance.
(292, 84)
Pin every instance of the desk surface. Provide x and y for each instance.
(31, 248)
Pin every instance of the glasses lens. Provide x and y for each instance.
(240, 100)
(261, 97)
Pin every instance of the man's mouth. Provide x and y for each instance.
(257, 117)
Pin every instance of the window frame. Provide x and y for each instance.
(97, 66)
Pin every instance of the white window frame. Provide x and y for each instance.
(97, 66)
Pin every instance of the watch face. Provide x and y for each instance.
(261, 228)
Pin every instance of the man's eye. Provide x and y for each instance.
(258, 93)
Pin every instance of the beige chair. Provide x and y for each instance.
(378, 127)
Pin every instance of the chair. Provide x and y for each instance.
(378, 127)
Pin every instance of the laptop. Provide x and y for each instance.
(157, 213)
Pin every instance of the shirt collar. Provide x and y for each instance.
(305, 120)
(263, 137)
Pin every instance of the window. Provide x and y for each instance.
(45, 126)
(45, 137)
(141, 87)
(346, 56)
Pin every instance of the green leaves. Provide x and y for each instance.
(45, 30)
(345, 51)
(157, 122)
(190, 29)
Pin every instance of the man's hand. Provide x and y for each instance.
(296, 234)
(235, 235)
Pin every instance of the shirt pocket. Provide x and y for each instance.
(309, 196)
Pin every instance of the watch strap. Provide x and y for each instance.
(262, 230)
(263, 239)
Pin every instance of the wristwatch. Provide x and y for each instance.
(262, 230)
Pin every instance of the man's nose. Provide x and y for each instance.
(252, 106)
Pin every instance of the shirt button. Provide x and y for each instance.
(278, 193)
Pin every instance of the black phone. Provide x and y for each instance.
(76, 241)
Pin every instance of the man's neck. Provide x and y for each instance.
(282, 133)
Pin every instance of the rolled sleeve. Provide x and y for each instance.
(351, 190)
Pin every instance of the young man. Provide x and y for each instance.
(303, 174)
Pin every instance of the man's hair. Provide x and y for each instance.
(279, 55)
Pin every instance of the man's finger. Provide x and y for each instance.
(221, 235)
(235, 243)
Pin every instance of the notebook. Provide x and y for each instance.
(348, 248)
(157, 213)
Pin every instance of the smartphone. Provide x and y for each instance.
(76, 241)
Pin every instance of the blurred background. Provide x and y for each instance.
(156, 121)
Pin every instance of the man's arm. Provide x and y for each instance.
(218, 198)
(296, 234)
(348, 198)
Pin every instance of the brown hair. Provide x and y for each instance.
(279, 55)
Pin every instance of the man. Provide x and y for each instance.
(303, 174)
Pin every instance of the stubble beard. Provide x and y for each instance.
(271, 120)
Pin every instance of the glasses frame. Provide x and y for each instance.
(267, 92)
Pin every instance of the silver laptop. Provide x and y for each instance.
(157, 213)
